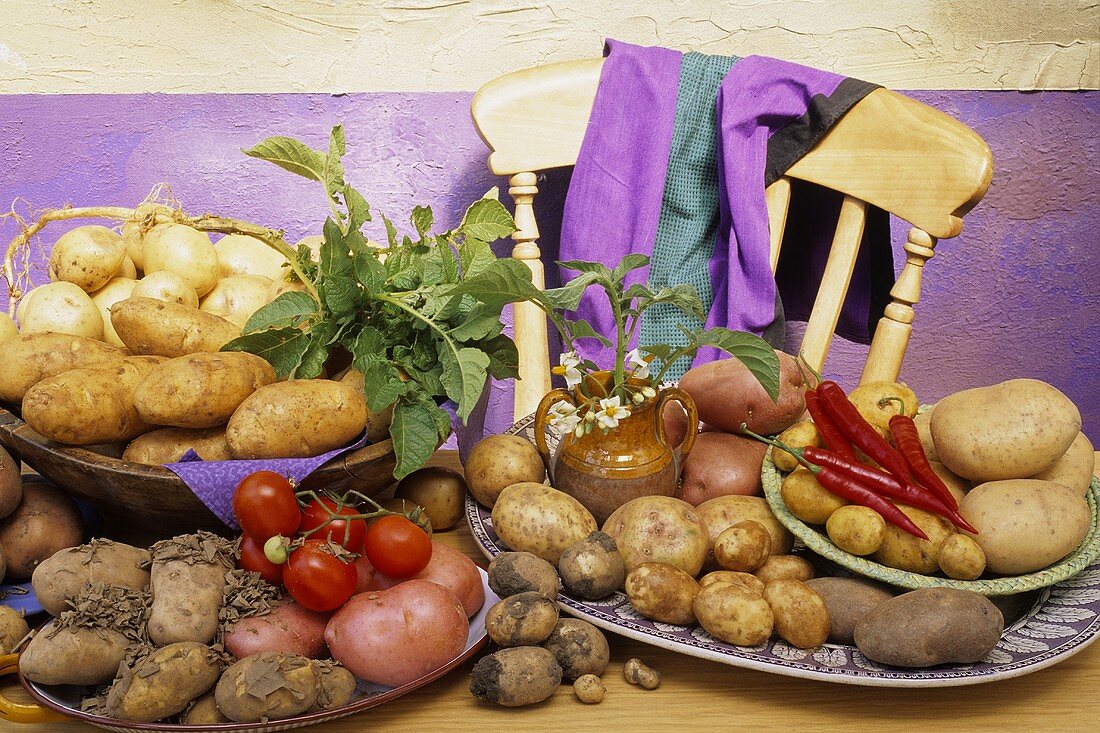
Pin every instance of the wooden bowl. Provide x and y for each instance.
(153, 500)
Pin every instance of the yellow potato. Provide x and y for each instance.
(295, 419)
(200, 390)
(149, 326)
(7, 327)
(744, 547)
(118, 288)
(807, 499)
(801, 617)
(87, 256)
(166, 286)
(498, 461)
(30, 358)
(957, 485)
(856, 529)
(62, 307)
(532, 517)
(799, 435)
(167, 445)
(747, 581)
(923, 422)
(879, 401)
(725, 511)
(1075, 468)
(960, 557)
(659, 529)
(236, 298)
(282, 285)
(185, 251)
(733, 614)
(784, 566)
(662, 592)
(239, 254)
(904, 551)
(131, 237)
(128, 269)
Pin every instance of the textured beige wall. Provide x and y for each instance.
(63, 46)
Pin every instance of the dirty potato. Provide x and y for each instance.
(662, 592)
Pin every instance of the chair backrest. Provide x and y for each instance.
(888, 151)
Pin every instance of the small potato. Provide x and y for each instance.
(166, 286)
(338, 686)
(748, 581)
(525, 619)
(516, 677)
(87, 256)
(268, 686)
(62, 307)
(520, 572)
(73, 656)
(801, 617)
(725, 511)
(903, 551)
(532, 517)
(236, 298)
(239, 254)
(60, 577)
(128, 269)
(856, 529)
(13, 627)
(203, 711)
(1075, 468)
(498, 461)
(589, 689)
(33, 357)
(88, 406)
(441, 491)
(800, 435)
(734, 615)
(579, 647)
(662, 593)
(46, 521)
(168, 445)
(116, 289)
(163, 683)
(807, 499)
(721, 464)
(659, 529)
(299, 418)
(877, 402)
(744, 547)
(960, 557)
(150, 326)
(185, 251)
(784, 566)
(592, 568)
(200, 390)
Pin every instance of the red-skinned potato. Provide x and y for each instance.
(289, 628)
(394, 636)
(721, 464)
(451, 569)
(727, 394)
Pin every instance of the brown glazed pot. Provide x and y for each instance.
(603, 472)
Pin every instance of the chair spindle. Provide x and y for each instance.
(529, 321)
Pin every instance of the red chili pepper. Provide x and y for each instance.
(849, 488)
(907, 440)
(885, 484)
(828, 430)
(862, 434)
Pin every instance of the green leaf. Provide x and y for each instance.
(463, 376)
(503, 357)
(479, 323)
(282, 347)
(383, 385)
(422, 219)
(474, 255)
(335, 259)
(289, 309)
(369, 346)
(660, 351)
(753, 351)
(334, 167)
(629, 263)
(316, 354)
(684, 297)
(568, 296)
(488, 220)
(341, 294)
(370, 272)
(582, 329)
(442, 420)
(358, 208)
(504, 281)
(292, 155)
(391, 232)
(582, 266)
(415, 437)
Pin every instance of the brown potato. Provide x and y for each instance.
(662, 592)
(13, 627)
(200, 390)
(734, 615)
(748, 581)
(73, 656)
(659, 529)
(532, 517)
(726, 511)
(727, 394)
(516, 677)
(88, 406)
(163, 683)
(33, 357)
(187, 579)
(800, 435)
(61, 576)
(441, 491)
(592, 568)
(520, 572)
(778, 567)
(524, 619)
(744, 547)
(168, 445)
(203, 711)
(807, 499)
(801, 617)
(721, 464)
(579, 647)
(847, 601)
(268, 686)
(498, 461)
(856, 529)
(45, 521)
(11, 485)
(149, 326)
(295, 419)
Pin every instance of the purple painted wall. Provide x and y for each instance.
(1016, 295)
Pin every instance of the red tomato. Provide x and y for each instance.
(396, 547)
(348, 533)
(265, 506)
(317, 579)
(253, 558)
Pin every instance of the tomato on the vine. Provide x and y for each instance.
(265, 505)
(317, 579)
(397, 547)
(347, 533)
(254, 559)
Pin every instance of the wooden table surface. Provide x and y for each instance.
(697, 695)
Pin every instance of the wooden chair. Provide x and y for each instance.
(888, 150)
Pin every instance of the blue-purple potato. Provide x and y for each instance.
(801, 617)
(848, 600)
(662, 592)
(930, 626)
(721, 464)
(659, 529)
(727, 394)
(61, 576)
(30, 358)
(200, 390)
(268, 686)
(1025, 525)
(73, 656)
(1075, 468)
(524, 619)
(725, 511)
(288, 628)
(592, 568)
(535, 518)
(579, 648)
(522, 675)
(397, 635)
(298, 418)
(163, 682)
(1009, 430)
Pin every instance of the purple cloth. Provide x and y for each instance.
(614, 199)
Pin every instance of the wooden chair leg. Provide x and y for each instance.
(529, 321)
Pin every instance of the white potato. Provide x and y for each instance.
(128, 269)
(117, 289)
(62, 307)
(131, 237)
(166, 286)
(87, 256)
(237, 297)
(184, 251)
(239, 254)
(7, 327)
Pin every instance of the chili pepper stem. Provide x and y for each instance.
(887, 400)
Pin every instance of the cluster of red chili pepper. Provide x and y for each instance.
(907, 476)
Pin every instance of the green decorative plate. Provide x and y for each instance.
(819, 543)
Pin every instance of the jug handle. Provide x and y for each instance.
(548, 399)
(675, 394)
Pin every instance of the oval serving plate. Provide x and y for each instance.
(1063, 620)
(65, 699)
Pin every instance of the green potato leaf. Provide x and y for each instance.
(282, 347)
(290, 309)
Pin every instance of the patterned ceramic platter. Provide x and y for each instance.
(1062, 620)
(65, 699)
